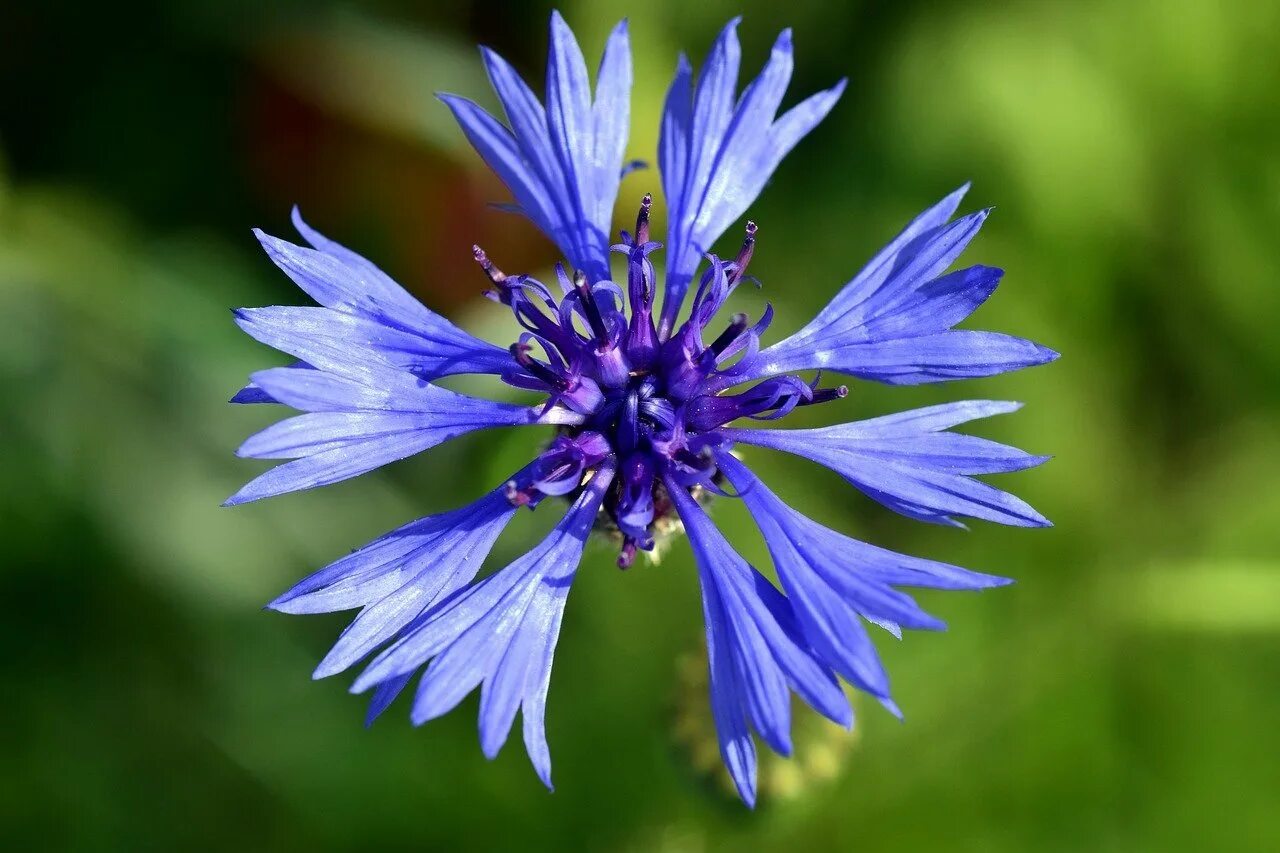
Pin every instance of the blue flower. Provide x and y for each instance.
(648, 411)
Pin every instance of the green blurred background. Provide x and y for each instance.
(1122, 696)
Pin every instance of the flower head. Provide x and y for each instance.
(649, 408)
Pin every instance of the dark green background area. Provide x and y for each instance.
(1122, 696)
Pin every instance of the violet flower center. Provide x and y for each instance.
(650, 401)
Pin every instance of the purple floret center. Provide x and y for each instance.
(651, 404)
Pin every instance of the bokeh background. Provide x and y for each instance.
(1122, 696)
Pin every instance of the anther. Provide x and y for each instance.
(642, 220)
(590, 308)
(496, 275)
(745, 253)
(826, 395)
(737, 325)
(627, 555)
(515, 496)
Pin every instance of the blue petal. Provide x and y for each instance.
(358, 429)
(893, 322)
(251, 394)
(545, 179)
(317, 391)
(957, 354)
(713, 110)
(674, 136)
(873, 275)
(314, 433)
(716, 152)
(444, 559)
(331, 466)
(905, 463)
(936, 305)
(918, 264)
(734, 160)
(501, 152)
(752, 625)
(320, 338)
(611, 115)
(500, 633)
(384, 695)
(353, 345)
(796, 122)
(570, 122)
(834, 582)
(563, 164)
(428, 559)
(736, 746)
(378, 310)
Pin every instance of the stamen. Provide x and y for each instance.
(737, 325)
(496, 275)
(826, 395)
(558, 470)
(642, 220)
(590, 308)
(745, 253)
(642, 338)
(520, 352)
(627, 555)
(517, 498)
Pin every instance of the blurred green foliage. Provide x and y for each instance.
(1122, 696)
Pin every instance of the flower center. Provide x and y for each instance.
(652, 403)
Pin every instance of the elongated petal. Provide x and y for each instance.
(713, 111)
(370, 309)
(870, 278)
(499, 634)
(905, 463)
(674, 135)
(528, 121)
(384, 695)
(893, 322)
(317, 391)
(795, 124)
(834, 581)
(383, 621)
(611, 116)
(717, 152)
(398, 577)
(331, 466)
(920, 261)
(330, 446)
(734, 169)
(936, 305)
(362, 348)
(320, 338)
(752, 624)
(562, 163)
(501, 152)
(913, 283)
(314, 433)
(957, 354)
(570, 121)
(736, 745)
(338, 278)
(438, 554)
